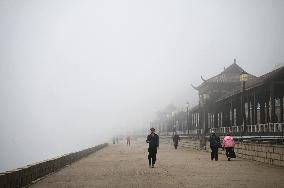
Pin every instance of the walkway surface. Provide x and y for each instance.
(123, 166)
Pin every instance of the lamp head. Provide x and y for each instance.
(244, 76)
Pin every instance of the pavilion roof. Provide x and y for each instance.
(230, 74)
(255, 82)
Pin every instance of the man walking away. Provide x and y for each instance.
(153, 140)
(229, 144)
(176, 139)
(214, 145)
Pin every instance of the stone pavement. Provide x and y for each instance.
(123, 166)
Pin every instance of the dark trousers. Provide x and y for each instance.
(229, 152)
(214, 153)
(176, 144)
(152, 155)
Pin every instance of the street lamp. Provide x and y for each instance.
(243, 79)
(168, 124)
(174, 122)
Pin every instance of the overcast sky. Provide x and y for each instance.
(72, 73)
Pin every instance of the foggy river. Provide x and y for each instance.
(23, 150)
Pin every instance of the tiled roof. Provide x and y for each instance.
(229, 75)
(255, 82)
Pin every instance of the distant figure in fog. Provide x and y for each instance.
(113, 140)
(128, 140)
(176, 139)
(214, 145)
(229, 144)
(153, 140)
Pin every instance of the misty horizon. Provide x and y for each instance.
(75, 73)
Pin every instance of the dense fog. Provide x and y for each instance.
(75, 73)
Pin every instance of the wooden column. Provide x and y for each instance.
(228, 109)
(262, 111)
(223, 117)
(267, 120)
(281, 109)
(254, 110)
(249, 112)
(232, 113)
(243, 114)
(238, 112)
(215, 119)
(195, 120)
(205, 120)
(190, 121)
(195, 123)
(272, 99)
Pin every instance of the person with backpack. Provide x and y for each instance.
(214, 145)
(229, 144)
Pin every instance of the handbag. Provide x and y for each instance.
(233, 154)
(219, 145)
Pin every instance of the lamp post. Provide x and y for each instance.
(243, 79)
(205, 98)
(174, 122)
(168, 124)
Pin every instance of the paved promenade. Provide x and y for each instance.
(123, 166)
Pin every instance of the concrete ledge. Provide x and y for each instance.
(24, 176)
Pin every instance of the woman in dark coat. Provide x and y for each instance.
(214, 145)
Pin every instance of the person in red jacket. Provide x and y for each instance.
(229, 144)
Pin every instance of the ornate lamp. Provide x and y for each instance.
(244, 76)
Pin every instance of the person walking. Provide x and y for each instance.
(128, 140)
(176, 139)
(229, 144)
(214, 145)
(153, 140)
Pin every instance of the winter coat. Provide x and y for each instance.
(176, 138)
(153, 141)
(214, 141)
(228, 142)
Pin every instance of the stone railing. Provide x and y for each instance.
(258, 128)
(24, 176)
(261, 151)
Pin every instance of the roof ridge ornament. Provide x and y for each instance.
(203, 79)
(194, 87)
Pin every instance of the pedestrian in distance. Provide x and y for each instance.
(153, 140)
(229, 144)
(176, 139)
(128, 140)
(214, 145)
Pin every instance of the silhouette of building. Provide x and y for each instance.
(238, 102)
